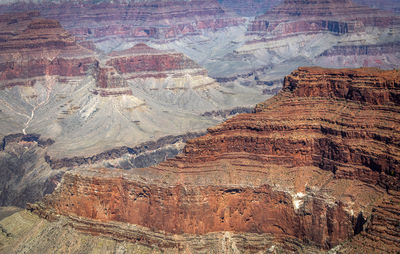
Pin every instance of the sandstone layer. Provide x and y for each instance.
(34, 48)
(129, 108)
(370, 55)
(327, 33)
(340, 17)
(318, 164)
(133, 19)
(142, 61)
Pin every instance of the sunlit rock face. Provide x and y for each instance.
(309, 166)
(340, 34)
(33, 48)
(128, 108)
(340, 17)
(162, 20)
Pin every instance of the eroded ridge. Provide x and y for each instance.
(318, 163)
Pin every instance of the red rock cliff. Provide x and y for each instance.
(312, 163)
(144, 61)
(134, 19)
(31, 47)
(302, 16)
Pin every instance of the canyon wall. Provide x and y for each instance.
(33, 47)
(313, 163)
(340, 17)
(133, 19)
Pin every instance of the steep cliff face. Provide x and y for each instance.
(338, 17)
(383, 55)
(309, 165)
(33, 47)
(327, 33)
(142, 61)
(133, 19)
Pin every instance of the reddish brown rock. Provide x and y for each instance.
(134, 19)
(110, 83)
(142, 61)
(340, 17)
(313, 164)
(35, 47)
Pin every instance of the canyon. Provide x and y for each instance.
(160, 20)
(133, 107)
(107, 111)
(314, 168)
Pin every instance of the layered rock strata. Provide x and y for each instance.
(339, 17)
(312, 164)
(133, 19)
(33, 48)
(378, 55)
(110, 83)
(142, 61)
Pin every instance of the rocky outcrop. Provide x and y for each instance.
(339, 17)
(354, 50)
(312, 164)
(33, 47)
(322, 33)
(142, 61)
(381, 232)
(133, 19)
(379, 55)
(25, 176)
(139, 152)
(110, 83)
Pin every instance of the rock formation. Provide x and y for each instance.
(33, 48)
(142, 61)
(131, 18)
(374, 55)
(324, 33)
(128, 108)
(340, 17)
(317, 165)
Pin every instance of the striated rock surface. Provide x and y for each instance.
(131, 18)
(327, 33)
(33, 48)
(130, 108)
(308, 167)
(340, 17)
(373, 55)
(142, 61)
